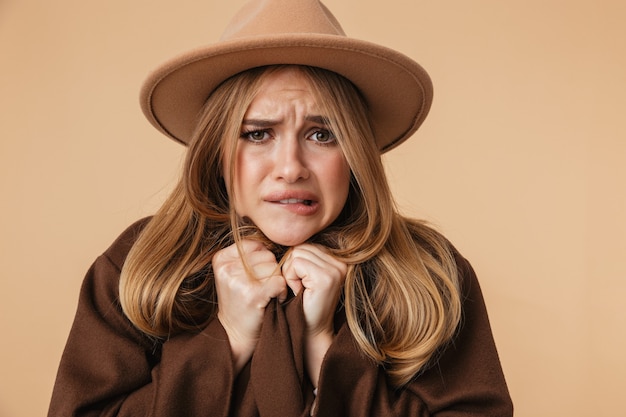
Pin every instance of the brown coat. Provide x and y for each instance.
(109, 368)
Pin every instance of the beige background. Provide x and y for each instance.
(521, 163)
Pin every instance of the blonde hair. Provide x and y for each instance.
(401, 292)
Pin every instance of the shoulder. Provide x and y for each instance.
(117, 252)
(467, 276)
(100, 288)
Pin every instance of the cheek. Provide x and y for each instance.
(338, 178)
(246, 170)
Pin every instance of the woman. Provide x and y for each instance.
(278, 279)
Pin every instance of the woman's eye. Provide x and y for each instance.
(322, 136)
(255, 135)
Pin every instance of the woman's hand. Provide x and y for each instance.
(242, 297)
(311, 269)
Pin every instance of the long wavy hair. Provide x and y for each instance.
(401, 293)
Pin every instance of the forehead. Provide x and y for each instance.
(287, 85)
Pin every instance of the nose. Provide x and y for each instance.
(290, 161)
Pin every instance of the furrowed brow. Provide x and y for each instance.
(318, 119)
(270, 122)
(260, 122)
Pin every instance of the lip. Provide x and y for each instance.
(296, 201)
(277, 196)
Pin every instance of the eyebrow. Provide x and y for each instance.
(271, 122)
(318, 119)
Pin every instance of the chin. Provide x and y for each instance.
(287, 240)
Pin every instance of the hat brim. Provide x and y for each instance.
(398, 91)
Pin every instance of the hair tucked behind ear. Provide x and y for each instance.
(401, 292)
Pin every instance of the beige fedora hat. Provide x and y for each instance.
(398, 91)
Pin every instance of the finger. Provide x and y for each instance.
(319, 255)
(265, 270)
(258, 256)
(291, 277)
(244, 247)
(306, 273)
(274, 287)
(295, 285)
(231, 252)
(314, 267)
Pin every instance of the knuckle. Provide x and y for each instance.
(217, 257)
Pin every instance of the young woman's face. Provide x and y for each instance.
(291, 177)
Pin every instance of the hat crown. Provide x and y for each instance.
(274, 17)
(397, 90)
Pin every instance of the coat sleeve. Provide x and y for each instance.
(109, 368)
(466, 381)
